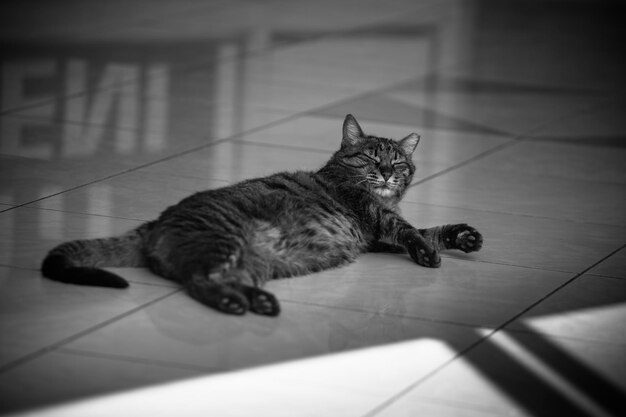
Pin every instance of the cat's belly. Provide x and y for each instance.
(307, 241)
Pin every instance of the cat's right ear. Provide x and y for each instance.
(352, 132)
(409, 143)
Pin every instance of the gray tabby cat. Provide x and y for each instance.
(222, 245)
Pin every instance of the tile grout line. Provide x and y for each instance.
(386, 314)
(484, 339)
(53, 346)
(132, 359)
(82, 213)
(512, 265)
(606, 276)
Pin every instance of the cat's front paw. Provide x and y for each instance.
(465, 238)
(424, 255)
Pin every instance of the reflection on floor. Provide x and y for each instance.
(111, 111)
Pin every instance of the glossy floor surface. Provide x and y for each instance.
(111, 111)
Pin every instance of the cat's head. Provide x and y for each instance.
(381, 165)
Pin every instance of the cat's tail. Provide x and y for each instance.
(80, 261)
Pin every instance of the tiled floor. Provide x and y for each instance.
(113, 110)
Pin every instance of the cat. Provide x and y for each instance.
(223, 244)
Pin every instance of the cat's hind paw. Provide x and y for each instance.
(261, 301)
(232, 303)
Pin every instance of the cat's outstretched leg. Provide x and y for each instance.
(454, 236)
(394, 229)
(419, 249)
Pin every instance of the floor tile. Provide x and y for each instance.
(53, 157)
(307, 132)
(510, 239)
(27, 234)
(590, 308)
(36, 313)
(165, 111)
(559, 160)
(135, 195)
(518, 193)
(382, 108)
(515, 109)
(524, 375)
(604, 125)
(413, 407)
(182, 331)
(615, 266)
(394, 284)
(23, 180)
(61, 377)
(234, 161)
(112, 130)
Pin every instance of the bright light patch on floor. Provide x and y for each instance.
(350, 383)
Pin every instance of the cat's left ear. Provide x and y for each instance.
(409, 143)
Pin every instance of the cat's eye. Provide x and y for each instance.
(371, 154)
(399, 166)
(371, 158)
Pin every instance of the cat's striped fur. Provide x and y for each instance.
(223, 244)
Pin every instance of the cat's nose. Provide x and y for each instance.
(386, 175)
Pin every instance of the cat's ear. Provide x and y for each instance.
(409, 143)
(352, 132)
